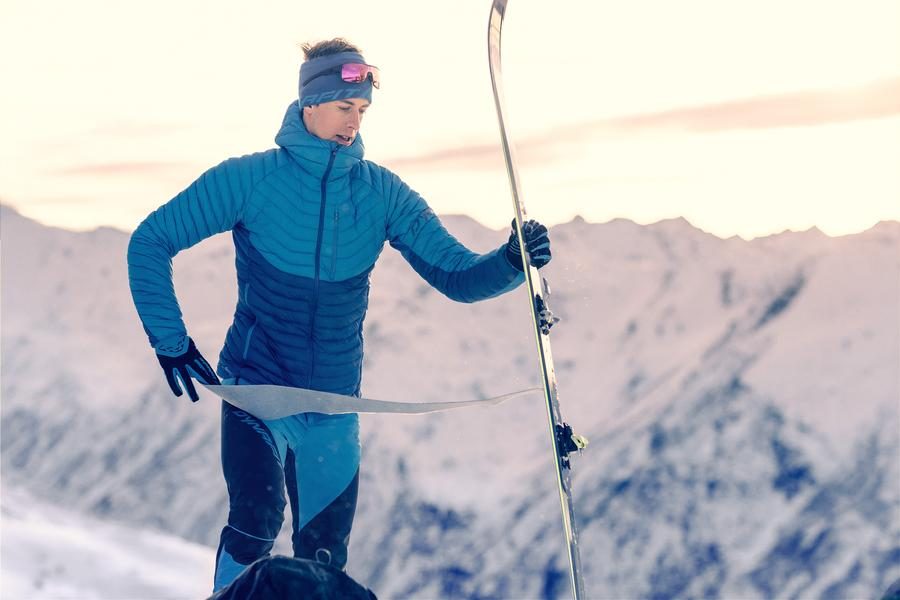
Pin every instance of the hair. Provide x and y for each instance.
(328, 47)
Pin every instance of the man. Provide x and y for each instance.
(309, 219)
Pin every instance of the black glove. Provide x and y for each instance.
(537, 243)
(185, 365)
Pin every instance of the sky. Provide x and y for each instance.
(745, 118)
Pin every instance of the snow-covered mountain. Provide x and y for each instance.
(741, 399)
(49, 552)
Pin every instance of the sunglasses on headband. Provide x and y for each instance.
(354, 73)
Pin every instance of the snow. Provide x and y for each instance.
(49, 553)
(741, 397)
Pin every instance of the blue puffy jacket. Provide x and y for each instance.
(309, 219)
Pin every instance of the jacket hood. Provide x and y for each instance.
(313, 153)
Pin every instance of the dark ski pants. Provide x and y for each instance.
(316, 457)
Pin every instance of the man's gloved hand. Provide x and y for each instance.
(184, 365)
(537, 243)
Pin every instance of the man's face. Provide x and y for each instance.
(336, 121)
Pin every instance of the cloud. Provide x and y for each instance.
(470, 156)
(125, 169)
(478, 156)
(796, 109)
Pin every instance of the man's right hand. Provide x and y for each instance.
(537, 244)
(184, 365)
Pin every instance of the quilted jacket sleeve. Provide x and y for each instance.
(214, 203)
(453, 269)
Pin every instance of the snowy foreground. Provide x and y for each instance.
(742, 400)
(51, 553)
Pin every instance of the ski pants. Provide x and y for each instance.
(316, 457)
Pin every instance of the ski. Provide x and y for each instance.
(565, 441)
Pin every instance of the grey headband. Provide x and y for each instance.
(316, 88)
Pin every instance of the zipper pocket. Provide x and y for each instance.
(334, 242)
(252, 327)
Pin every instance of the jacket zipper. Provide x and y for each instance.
(315, 298)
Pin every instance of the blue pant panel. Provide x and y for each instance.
(326, 457)
(316, 457)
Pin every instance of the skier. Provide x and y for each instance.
(309, 219)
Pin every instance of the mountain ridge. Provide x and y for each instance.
(713, 377)
(12, 211)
